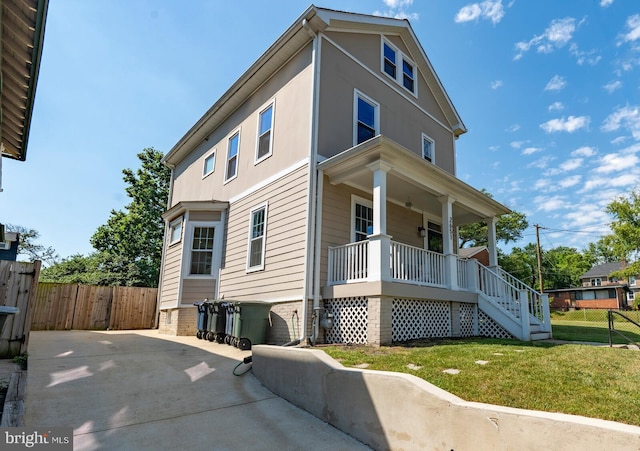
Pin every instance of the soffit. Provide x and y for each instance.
(22, 36)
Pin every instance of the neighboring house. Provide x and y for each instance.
(480, 253)
(9, 246)
(598, 290)
(324, 181)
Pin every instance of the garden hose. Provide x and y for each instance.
(245, 361)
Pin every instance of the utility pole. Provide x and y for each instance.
(539, 255)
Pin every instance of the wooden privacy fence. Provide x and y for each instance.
(69, 306)
(18, 287)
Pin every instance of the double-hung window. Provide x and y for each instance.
(362, 218)
(232, 156)
(257, 235)
(202, 251)
(209, 164)
(392, 60)
(265, 138)
(367, 118)
(428, 149)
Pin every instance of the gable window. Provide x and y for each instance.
(265, 126)
(389, 60)
(232, 156)
(175, 231)
(632, 280)
(202, 251)
(392, 59)
(596, 282)
(428, 148)
(366, 123)
(209, 164)
(257, 231)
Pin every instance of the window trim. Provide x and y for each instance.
(596, 282)
(189, 249)
(227, 179)
(357, 200)
(401, 58)
(173, 226)
(357, 94)
(426, 137)
(272, 105)
(211, 154)
(264, 206)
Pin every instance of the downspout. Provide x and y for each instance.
(164, 242)
(309, 288)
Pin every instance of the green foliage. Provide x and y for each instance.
(27, 245)
(129, 246)
(509, 228)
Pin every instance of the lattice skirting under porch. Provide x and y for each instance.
(349, 320)
(489, 328)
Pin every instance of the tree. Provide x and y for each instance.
(129, 245)
(562, 267)
(509, 228)
(27, 245)
(522, 264)
(625, 241)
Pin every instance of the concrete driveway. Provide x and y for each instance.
(142, 390)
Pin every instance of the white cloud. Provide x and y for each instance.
(616, 162)
(612, 86)
(551, 203)
(496, 84)
(571, 164)
(619, 140)
(557, 34)
(605, 3)
(570, 124)
(584, 152)
(633, 26)
(398, 10)
(591, 57)
(518, 144)
(514, 128)
(531, 150)
(542, 162)
(489, 9)
(556, 83)
(627, 117)
(556, 106)
(569, 182)
(622, 180)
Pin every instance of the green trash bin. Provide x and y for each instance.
(250, 321)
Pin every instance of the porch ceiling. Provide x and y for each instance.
(410, 179)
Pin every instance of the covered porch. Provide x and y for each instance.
(423, 263)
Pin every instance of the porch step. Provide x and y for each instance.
(535, 336)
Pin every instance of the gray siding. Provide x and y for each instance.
(171, 275)
(195, 290)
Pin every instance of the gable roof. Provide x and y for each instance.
(468, 252)
(602, 270)
(314, 20)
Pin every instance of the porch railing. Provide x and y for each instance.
(501, 291)
(534, 298)
(348, 263)
(415, 265)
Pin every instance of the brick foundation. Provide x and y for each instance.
(182, 321)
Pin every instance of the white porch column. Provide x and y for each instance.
(379, 241)
(492, 243)
(451, 268)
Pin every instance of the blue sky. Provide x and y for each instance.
(549, 91)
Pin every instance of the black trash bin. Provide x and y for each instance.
(203, 318)
(217, 321)
(228, 328)
(250, 321)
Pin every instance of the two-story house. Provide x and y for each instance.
(598, 290)
(324, 181)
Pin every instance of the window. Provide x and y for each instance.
(175, 230)
(363, 218)
(257, 229)
(202, 251)
(435, 242)
(392, 58)
(209, 164)
(632, 280)
(389, 60)
(265, 125)
(596, 282)
(631, 295)
(232, 156)
(366, 118)
(428, 148)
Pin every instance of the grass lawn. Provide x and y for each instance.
(598, 382)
